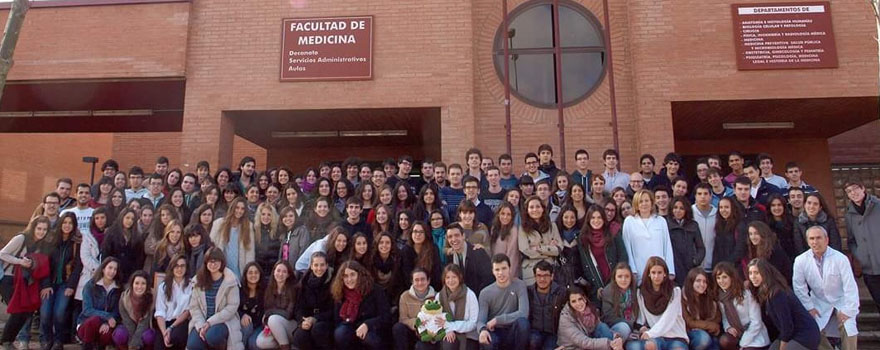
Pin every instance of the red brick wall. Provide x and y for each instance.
(858, 146)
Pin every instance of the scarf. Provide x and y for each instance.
(348, 312)
(138, 307)
(458, 297)
(439, 235)
(655, 300)
(726, 299)
(570, 235)
(588, 319)
(99, 235)
(626, 305)
(307, 187)
(597, 247)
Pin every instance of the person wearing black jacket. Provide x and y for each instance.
(816, 213)
(64, 276)
(268, 239)
(123, 243)
(361, 311)
(687, 241)
(730, 234)
(473, 261)
(546, 299)
(353, 222)
(251, 304)
(750, 208)
(314, 308)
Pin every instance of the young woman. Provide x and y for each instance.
(382, 219)
(320, 219)
(388, 267)
(54, 328)
(762, 244)
(336, 173)
(309, 183)
(252, 304)
(204, 216)
(172, 305)
(273, 194)
(284, 176)
(427, 255)
(367, 193)
(626, 209)
(120, 180)
(403, 197)
(293, 198)
(323, 188)
(252, 197)
(115, 204)
(612, 215)
(211, 196)
(105, 186)
(385, 197)
(580, 326)
(618, 195)
(539, 238)
(314, 309)
(620, 310)
(600, 251)
(597, 189)
(28, 251)
(559, 189)
(730, 233)
(170, 245)
(135, 309)
(214, 304)
(797, 328)
(145, 219)
(687, 241)
(438, 224)
(156, 232)
(660, 309)
(263, 182)
(342, 191)
(90, 253)
(234, 235)
(122, 243)
(100, 307)
(816, 213)
(279, 305)
(579, 200)
(570, 268)
(782, 222)
(360, 248)
(700, 311)
(459, 302)
(740, 312)
(222, 177)
(268, 238)
(177, 200)
(503, 236)
(197, 244)
(294, 238)
(428, 201)
(361, 311)
(336, 247)
(403, 220)
(514, 197)
(172, 179)
(475, 232)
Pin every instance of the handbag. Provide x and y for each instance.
(7, 283)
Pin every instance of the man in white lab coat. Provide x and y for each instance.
(824, 283)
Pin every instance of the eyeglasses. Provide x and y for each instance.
(179, 265)
(471, 187)
(52, 203)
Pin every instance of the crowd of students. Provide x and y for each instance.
(345, 255)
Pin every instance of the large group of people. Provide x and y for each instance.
(347, 255)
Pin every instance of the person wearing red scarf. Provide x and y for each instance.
(361, 312)
(599, 250)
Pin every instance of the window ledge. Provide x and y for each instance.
(73, 3)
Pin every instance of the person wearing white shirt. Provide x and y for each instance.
(765, 163)
(613, 177)
(740, 311)
(302, 263)
(461, 304)
(660, 308)
(646, 235)
(172, 305)
(824, 283)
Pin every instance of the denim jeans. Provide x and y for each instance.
(662, 344)
(541, 340)
(215, 338)
(53, 316)
(702, 340)
(249, 335)
(621, 328)
(345, 338)
(512, 336)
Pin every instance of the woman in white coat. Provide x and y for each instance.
(646, 234)
(90, 252)
(234, 235)
(461, 304)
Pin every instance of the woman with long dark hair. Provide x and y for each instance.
(321, 218)
(337, 247)
(782, 222)
(687, 241)
(314, 310)
(731, 233)
(700, 311)
(816, 213)
(214, 305)
(172, 305)
(100, 307)
(762, 244)
(570, 270)
(403, 198)
(156, 231)
(294, 236)
(360, 248)
(54, 321)
(279, 304)
(204, 216)
(252, 304)
(367, 193)
(740, 311)
(620, 309)
(361, 311)
(600, 251)
(539, 239)
(388, 267)
(427, 201)
(177, 199)
(222, 177)
(343, 189)
(381, 219)
(580, 201)
(234, 235)
(660, 309)
(427, 256)
(797, 328)
(90, 251)
(293, 198)
(123, 243)
(115, 204)
(580, 326)
(197, 244)
(135, 310)
(504, 236)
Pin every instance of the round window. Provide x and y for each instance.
(532, 62)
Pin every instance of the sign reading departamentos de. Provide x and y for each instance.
(784, 36)
(333, 48)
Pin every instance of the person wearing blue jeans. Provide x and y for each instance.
(53, 316)
(504, 308)
(215, 338)
(546, 299)
(702, 340)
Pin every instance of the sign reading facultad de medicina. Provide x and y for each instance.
(784, 36)
(334, 48)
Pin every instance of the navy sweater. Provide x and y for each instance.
(792, 320)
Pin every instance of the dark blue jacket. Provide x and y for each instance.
(792, 320)
(765, 189)
(97, 301)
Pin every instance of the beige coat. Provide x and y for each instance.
(573, 335)
(245, 255)
(226, 306)
(537, 247)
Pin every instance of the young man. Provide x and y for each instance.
(793, 173)
(352, 224)
(505, 165)
(154, 194)
(472, 193)
(582, 175)
(404, 166)
(427, 174)
(473, 261)
(531, 161)
(50, 208)
(735, 162)
(542, 190)
(546, 300)
(704, 215)
(526, 186)
(203, 172)
(646, 168)
(485, 163)
(761, 189)
(679, 187)
(661, 200)
(108, 169)
(62, 188)
(136, 187)
(161, 166)
(378, 179)
(796, 197)
(823, 281)
(863, 228)
(493, 194)
(439, 177)
(671, 170)
(718, 189)
(404, 331)
(545, 158)
(189, 185)
(389, 165)
(765, 163)
(504, 309)
(82, 210)
(747, 204)
(702, 170)
(350, 165)
(473, 159)
(714, 161)
(454, 193)
(613, 177)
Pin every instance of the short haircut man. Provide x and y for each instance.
(504, 309)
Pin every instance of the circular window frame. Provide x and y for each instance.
(580, 9)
